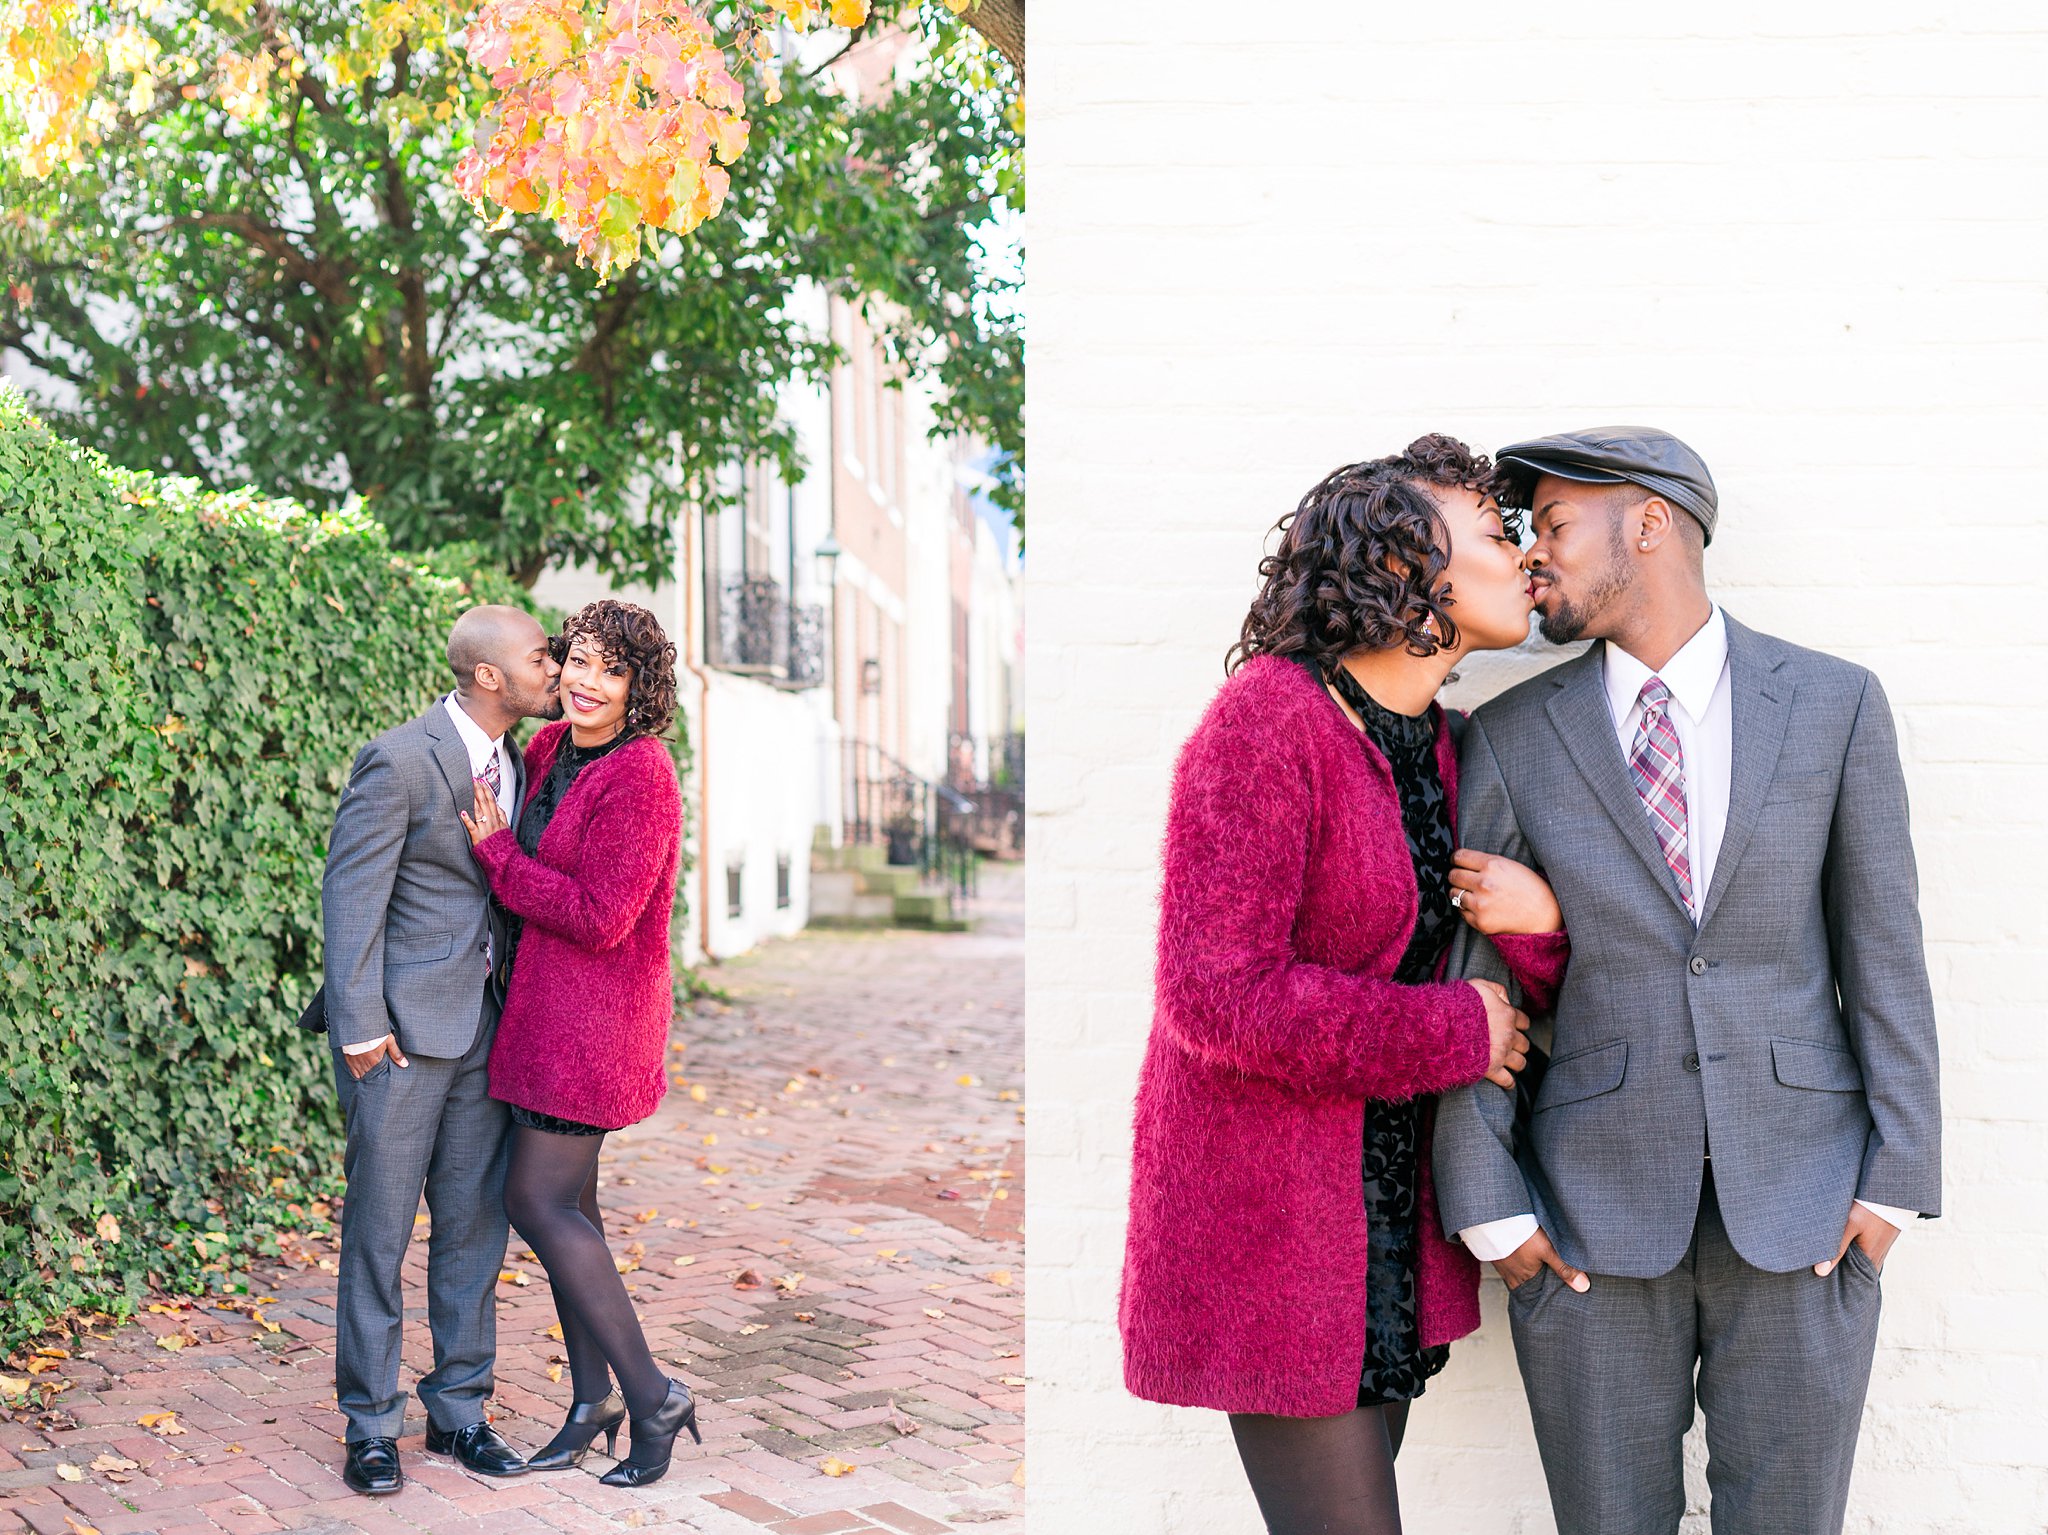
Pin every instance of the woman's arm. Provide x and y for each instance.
(626, 844)
(1514, 906)
(1234, 990)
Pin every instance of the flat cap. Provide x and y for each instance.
(1616, 455)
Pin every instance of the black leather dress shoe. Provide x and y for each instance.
(372, 1467)
(479, 1447)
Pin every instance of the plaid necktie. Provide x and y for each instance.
(490, 773)
(1658, 769)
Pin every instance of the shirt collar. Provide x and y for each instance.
(1692, 674)
(480, 745)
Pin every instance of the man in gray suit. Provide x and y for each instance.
(415, 975)
(1740, 1107)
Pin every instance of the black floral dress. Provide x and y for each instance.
(1396, 1365)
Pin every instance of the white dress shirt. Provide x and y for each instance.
(1702, 715)
(481, 747)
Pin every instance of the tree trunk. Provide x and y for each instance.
(1002, 23)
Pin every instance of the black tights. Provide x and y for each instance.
(1324, 1476)
(551, 1195)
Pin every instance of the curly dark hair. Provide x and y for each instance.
(632, 637)
(1362, 558)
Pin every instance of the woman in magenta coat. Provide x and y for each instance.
(1284, 1261)
(590, 878)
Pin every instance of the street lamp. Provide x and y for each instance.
(828, 560)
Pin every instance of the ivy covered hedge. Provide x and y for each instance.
(187, 678)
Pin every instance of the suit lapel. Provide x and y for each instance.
(1579, 711)
(1760, 705)
(452, 758)
(518, 778)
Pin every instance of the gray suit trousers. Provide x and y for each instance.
(1783, 1361)
(434, 1125)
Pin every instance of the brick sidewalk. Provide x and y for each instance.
(826, 1217)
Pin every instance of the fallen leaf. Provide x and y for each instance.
(625, 1265)
(697, 1093)
(901, 1421)
(70, 1473)
(1011, 1380)
(646, 1215)
(968, 1080)
(555, 1331)
(683, 1263)
(264, 1322)
(746, 1279)
(513, 1276)
(161, 1423)
(854, 1231)
(175, 1341)
(834, 1466)
(1000, 1277)
(751, 1328)
(1006, 1096)
(105, 1461)
(933, 1312)
(807, 1316)
(787, 1283)
(1017, 1476)
(78, 1528)
(1002, 1193)
(555, 1373)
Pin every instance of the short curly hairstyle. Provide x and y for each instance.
(632, 637)
(1362, 558)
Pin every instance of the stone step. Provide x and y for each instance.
(836, 895)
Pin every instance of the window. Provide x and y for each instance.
(734, 905)
(782, 882)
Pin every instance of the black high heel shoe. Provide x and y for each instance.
(654, 1438)
(585, 1422)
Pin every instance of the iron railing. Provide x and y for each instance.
(996, 826)
(921, 823)
(756, 630)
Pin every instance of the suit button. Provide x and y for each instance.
(1692, 1060)
(1698, 966)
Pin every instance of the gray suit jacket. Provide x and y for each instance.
(405, 910)
(1792, 1033)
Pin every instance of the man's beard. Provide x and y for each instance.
(1564, 621)
(541, 705)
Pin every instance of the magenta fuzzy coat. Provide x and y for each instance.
(1288, 900)
(584, 1035)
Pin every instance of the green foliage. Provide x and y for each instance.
(302, 303)
(189, 677)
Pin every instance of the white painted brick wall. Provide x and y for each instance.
(1813, 239)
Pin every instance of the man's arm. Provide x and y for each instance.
(1477, 1181)
(355, 891)
(1870, 887)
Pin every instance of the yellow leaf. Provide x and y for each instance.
(697, 1093)
(683, 1263)
(854, 1231)
(712, 1139)
(933, 1312)
(264, 1322)
(13, 1386)
(70, 1473)
(78, 1527)
(555, 1373)
(834, 1466)
(108, 1228)
(751, 1328)
(1013, 1380)
(1000, 1277)
(968, 1080)
(161, 1423)
(173, 1341)
(555, 1331)
(787, 1283)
